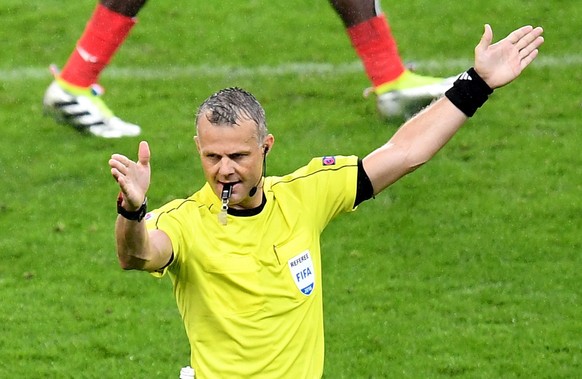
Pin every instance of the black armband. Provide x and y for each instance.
(364, 189)
(135, 215)
(469, 92)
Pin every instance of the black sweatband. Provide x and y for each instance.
(469, 92)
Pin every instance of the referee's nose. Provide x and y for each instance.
(226, 167)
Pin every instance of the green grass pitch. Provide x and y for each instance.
(467, 268)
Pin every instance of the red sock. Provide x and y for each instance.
(373, 42)
(103, 35)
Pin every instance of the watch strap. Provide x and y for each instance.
(137, 215)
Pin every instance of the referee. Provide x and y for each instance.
(243, 252)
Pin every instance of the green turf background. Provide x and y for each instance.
(468, 268)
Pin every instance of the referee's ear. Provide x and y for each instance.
(268, 143)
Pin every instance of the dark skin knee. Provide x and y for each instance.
(353, 12)
(129, 8)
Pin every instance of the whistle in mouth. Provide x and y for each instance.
(225, 195)
(226, 192)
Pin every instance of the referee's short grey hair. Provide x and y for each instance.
(230, 105)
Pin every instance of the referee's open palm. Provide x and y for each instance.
(501, 62)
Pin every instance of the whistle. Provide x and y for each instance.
(225, 195)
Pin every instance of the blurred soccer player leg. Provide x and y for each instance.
(73, 97)
(399, 91)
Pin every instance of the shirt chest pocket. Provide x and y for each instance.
(232, 284)
(298, 269)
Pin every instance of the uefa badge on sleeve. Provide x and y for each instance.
(301, 267)
(328, 160)
(149, 216)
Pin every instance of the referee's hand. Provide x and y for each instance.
(502, 62)
(133, 177)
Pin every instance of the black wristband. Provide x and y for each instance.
(469, 92)
(135, 215)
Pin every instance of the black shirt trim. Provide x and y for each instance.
(365, 190)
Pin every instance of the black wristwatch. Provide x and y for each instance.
(135, 215)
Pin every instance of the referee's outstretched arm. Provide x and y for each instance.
(419, 139)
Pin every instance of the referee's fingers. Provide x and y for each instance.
(144, 153)
(486, 39)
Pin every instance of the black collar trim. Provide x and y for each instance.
(248, 212)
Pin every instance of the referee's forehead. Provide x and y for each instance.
(219, 136)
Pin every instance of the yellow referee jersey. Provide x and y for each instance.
(249, 292)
